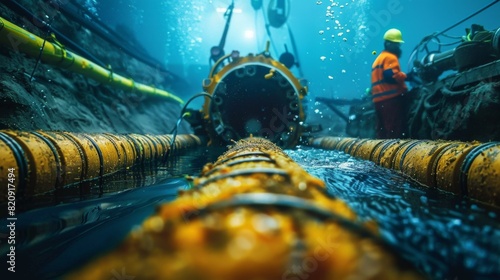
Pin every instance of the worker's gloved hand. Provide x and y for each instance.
(413, 77)
(400, 77)
(410, 76)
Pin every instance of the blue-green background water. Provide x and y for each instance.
(444, 236)
(334, 39)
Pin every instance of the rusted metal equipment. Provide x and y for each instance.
(253, 214)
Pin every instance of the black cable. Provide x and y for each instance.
(47, 25)
(268, 31)
(472, 15)
(295, 52)
(97, 26)
(428, 38)
(114, 38)
(179, 120)
(19, 9)
(39, 56)
(452, 37)
(449, 44)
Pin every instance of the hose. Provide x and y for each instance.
(468, 17)
(183, 114)
(57, 55)
(427, 104)
(416, 112)
(96, 27)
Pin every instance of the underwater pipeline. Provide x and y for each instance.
(44, 161)
(464, 168)
(254, 214)
(52, 52)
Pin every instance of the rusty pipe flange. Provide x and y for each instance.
(254, 95)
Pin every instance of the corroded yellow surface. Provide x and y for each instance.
(197, 236)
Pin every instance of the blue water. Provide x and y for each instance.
(334, 42)
(51, 240)
(444, 236)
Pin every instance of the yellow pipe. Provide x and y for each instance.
(344, 144)
(365, 151)
(380, 150)
(18, 39)
(253, 214)
(480, 173)
(388, 152)
(43, 161)
(448, 166)
(40, 158)
(70, 155)
(419, 160)
(465, 168)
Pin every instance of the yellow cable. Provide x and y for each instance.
(20, 40)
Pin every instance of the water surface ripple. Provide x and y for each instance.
(443, 235)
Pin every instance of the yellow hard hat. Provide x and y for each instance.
(394, 35)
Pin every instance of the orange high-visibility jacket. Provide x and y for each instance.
(387, 79)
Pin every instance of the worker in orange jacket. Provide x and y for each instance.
(388, 87)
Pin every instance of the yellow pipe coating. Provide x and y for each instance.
(483, 174)
(44, 161)
(365, 151)
(388, 153)
(465, 168)
(42, 173)
(448, 166)
(71, 158)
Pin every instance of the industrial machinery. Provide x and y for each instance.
(462, 104)
(454, 95)
(253, 95)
